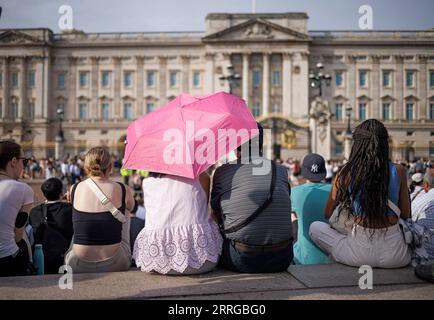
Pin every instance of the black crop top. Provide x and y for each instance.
(96, 228)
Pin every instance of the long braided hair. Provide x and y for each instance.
(366, 174)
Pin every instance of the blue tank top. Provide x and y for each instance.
(394, 186)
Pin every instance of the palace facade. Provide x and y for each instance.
(99, 82)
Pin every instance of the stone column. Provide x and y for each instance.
(245, 77)
(422, 111)
(6, 98)
(46, 87)
(71, 111)
(266, 84)
(209, 72)
(225, 64)
(117, 86)
(94, 106)
(185, 83)
(398, 88)
(352, 83)
(22, 105)
(162, 85)
(140, 86)
(287, 83)
(375, 105)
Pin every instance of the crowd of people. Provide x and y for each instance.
(357, 212)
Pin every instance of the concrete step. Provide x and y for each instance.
(332, 281)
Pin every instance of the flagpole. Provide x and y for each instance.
(253, 6)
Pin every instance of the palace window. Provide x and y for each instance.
(128, 111)
(409, 78)
(196, 78)
(31, 79)
(83, 78)
(173, 78)
(339, 78)
(409, 111)
(338, 111)
(105, 79)
(1, 79)
(14, 79)
(431, 111)
(386, 111)
(276, 78)
(128, 79)
(1, 109)
(149, 107)
(339, 149)
(363, 78)
(256, 109)
(61, 80)
(386, 78)
(82, 111)
(362, 111)
(150, 79)
(105, 111)
(431, 79)
(431, 149)
(256, 78)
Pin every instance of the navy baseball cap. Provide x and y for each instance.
(313, 167)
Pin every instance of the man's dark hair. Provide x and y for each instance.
(52, 189)
(8, 151)
(257, 141)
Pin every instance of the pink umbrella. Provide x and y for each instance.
(189, 134)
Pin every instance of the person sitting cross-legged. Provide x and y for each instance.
(374, 191)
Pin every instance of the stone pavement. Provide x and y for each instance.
(332, 281)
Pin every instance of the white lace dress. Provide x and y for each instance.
(179, 231)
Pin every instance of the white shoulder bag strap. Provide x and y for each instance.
(394, 208)
(105, 201)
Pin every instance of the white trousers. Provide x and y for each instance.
(385, 248)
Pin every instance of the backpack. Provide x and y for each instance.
(54, 244)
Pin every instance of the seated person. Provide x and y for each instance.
(308, 204)
(58, 217)
(16, 200)
(241, 189)
(180, 236)
(101, 241)
(423, 207)
(416, 188)
(364, 187)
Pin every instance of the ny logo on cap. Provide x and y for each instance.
(314, 168)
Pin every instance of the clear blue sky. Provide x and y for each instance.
(189, 15)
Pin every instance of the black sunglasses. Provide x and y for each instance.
(25, 161)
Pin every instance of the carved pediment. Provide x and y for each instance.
(256, 30)
(17, 37)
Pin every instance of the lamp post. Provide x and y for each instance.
(59, 136)
(232, 78)
(317, 78)
(348, 133)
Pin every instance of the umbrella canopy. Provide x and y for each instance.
(189, 134)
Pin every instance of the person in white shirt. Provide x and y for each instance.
(421, 203)
(416, 188)
(423, 209)
(16, 200)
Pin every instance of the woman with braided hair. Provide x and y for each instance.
(373, 190)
